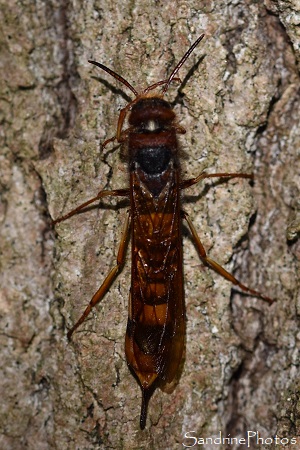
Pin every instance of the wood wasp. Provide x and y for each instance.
(155, 332)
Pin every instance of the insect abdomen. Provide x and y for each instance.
(156, 305)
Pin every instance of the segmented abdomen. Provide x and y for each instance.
(155, 331)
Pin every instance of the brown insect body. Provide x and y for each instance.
(156, 319)
(156, 323)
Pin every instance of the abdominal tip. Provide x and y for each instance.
(143, 417)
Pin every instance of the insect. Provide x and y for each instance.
(156, 321)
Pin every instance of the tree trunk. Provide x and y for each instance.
(239, 102)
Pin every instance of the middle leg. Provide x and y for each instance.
(191, 181)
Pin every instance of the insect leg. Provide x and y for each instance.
(101, 194)
(190, 182)
(108, 280)
(104, 144)
(215, 266)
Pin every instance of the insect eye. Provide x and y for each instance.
(149, 111)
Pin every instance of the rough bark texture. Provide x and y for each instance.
(240, 106)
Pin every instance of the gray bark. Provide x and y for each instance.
(239, 103)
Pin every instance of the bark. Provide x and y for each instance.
(239, 102)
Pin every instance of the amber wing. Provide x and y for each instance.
(156, 322)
